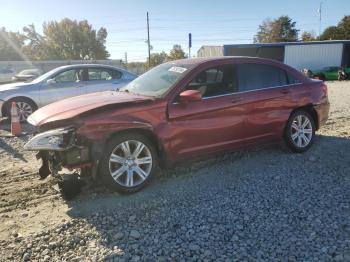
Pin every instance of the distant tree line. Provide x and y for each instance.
(283, 29)
(175, 53)
(65, 39)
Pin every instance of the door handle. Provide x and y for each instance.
(284, 91)
(236, 99)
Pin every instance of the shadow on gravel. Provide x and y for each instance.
(11, 150)
(245, 193)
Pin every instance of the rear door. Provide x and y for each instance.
(213, 124)
(103, 79)
(266, 92)
(64, 84)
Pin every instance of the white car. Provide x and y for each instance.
(61, 83)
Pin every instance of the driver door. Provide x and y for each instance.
(65, 84)
(212, 124)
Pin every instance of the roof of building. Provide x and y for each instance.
(290, 43)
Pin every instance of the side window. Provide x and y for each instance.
(69, 76)
(103, 74)
(116, 74)
(215, 81)
(292, 80)
(257, 76)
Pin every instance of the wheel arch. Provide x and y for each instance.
(6, 103)
(150, 135)
(311, 110)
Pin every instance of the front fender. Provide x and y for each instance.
(104, 130)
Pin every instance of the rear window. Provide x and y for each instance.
(105, 74)
(256, 76)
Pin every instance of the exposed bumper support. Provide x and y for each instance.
(1, 105)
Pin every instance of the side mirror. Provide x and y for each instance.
(190, 96)
(51, 81)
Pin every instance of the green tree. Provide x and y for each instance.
(308, 36)
(11, 45)
(339, 32)
(282, 29)
(331, 33)
(158, 58)
(66, 39)
(176, 53)
(36, 45)
(70, 39)
(344, 27)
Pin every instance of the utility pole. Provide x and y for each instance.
(320, 15)
(189, 44)
(126, 59)
(148, 42)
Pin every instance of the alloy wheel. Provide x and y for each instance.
(130, 163)
(301, 131)
(23, 110)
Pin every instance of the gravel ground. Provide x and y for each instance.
(263, 204)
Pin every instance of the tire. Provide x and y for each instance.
(295, 135)
(25, 107)
(119, 169)
(322, 77)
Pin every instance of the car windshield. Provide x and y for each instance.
(157, 81)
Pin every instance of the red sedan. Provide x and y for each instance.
(179, 110)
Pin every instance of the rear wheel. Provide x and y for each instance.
(300, 131)
(128, 163)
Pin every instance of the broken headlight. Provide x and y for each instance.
(56, 140)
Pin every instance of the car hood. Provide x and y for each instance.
(12, 86)
(72, 107)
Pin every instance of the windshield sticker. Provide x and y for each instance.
(177, 69)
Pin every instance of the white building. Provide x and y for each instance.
(209, 51)
(312, 55)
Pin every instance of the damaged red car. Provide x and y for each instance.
(177, 111)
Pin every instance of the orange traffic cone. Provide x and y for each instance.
(16, 128)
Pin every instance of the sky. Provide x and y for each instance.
(210, 22)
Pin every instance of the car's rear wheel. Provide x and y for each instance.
(300, 131)
(25, 108)
(128, 163)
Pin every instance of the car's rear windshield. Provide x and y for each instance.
(157, 81)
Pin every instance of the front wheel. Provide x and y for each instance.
(300, 131)
(128, 163)
(25, 108)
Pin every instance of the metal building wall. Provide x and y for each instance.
(313, 56)
(209, 51)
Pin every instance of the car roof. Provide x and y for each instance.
(92, 65)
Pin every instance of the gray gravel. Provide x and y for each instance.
(262, 204)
